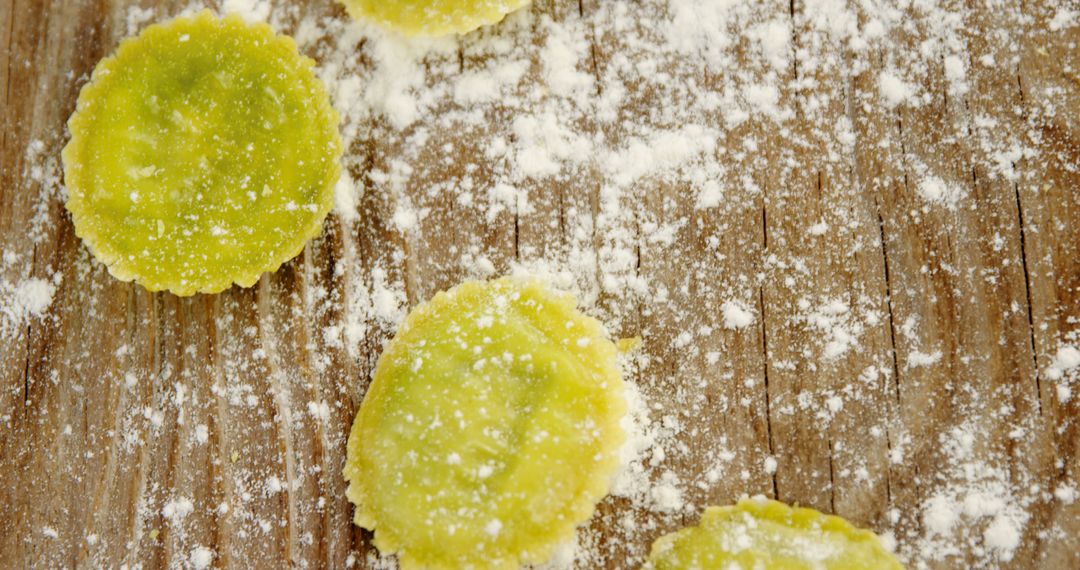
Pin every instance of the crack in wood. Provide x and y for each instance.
(1027, 293)
(832, 476)
(517, 234)
(889, 306)
(1023, 257)
(892, 351)
(29, 336)
(765, 374)
(26, 369)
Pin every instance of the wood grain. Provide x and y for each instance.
(120, 408)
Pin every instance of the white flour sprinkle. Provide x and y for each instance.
(979, 509)
(177, 509)
(736, 315)
(33, 296)
(1064, 370)
(201, 557)
(894, 90)
(936, 191)
(23, 300)
(917, 358)
(1066, 360)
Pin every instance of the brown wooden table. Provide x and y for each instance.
(116, 405)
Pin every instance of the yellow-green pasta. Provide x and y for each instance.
(203, 153)
(761, 534)
(432, 17)
(490, 431)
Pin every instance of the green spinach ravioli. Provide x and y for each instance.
(490, 431)
(760, 534)
(203, 153)
(432, 17)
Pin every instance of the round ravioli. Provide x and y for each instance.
(490, 430)
(432, 17)
(761, 534)
(203, 153)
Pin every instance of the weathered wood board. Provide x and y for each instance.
(895, 206)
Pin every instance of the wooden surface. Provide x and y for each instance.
(117, 402)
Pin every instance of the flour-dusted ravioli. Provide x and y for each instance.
(760, 534)
(432, 17)
(491, 428)
(203, 152)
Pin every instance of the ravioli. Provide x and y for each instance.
(432, 17)
(203, 153)
(490, 430)
(760, 534)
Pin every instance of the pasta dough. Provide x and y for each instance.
(203, 152)
(769, 535)
(490, 430)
